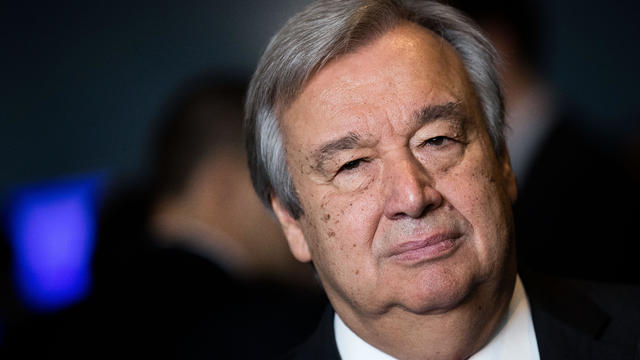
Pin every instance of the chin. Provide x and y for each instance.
(439, 293)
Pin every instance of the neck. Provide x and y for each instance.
(219, 216)
(455, 334)
(178, 223)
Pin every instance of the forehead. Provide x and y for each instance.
(392, 77)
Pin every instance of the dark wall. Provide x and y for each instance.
(83, 81)
(592, 55)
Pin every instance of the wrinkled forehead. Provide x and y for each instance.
(393, 67)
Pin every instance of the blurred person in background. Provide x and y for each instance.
(191, 265)
(554, 157)
(188, 263)
(202, 195)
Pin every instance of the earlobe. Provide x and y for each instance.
(509, 177)
(292, 231)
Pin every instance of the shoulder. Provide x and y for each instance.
(619, 302)
(581, 317)
(321, 345)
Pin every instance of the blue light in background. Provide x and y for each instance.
(52, 229)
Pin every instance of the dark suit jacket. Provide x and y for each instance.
(179, 305)
(572, 320)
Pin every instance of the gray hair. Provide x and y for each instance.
(327, 29)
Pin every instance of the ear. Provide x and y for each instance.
(292, 231)
(509, 177)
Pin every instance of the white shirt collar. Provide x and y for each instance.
(515, 339)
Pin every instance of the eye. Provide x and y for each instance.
(437, 141)
(353, 164)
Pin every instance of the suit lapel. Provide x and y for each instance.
(568, 324)
(322, 344)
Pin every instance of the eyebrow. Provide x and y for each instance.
(320, 156)
(430, 113)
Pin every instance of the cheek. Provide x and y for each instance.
(339, 235)
(340, 227)
(344, 212)
(477, 193)
(351, 217)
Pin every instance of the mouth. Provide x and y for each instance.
(433, 247)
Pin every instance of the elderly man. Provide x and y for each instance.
(375, 133)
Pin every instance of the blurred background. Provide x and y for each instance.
(87, 89)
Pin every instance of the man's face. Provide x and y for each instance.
(405, 203)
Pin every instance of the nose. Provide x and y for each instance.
(409, 191)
